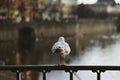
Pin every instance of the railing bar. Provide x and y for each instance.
(48, 67)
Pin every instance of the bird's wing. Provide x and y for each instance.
(67, 48)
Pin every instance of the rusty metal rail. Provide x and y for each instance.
(47, 68)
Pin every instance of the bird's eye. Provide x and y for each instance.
(59, 47)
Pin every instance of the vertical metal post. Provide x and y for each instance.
(44, 74)
(71, 75)
(18, 75)
(98, 75)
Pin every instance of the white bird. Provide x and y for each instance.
(61, 48)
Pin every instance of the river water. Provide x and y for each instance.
(95, 55)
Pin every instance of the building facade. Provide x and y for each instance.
(110, 2)
(27, 10)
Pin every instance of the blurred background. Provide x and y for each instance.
(29, 28)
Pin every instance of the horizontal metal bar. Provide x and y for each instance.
(52, 67)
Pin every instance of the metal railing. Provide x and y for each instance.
(47, 68)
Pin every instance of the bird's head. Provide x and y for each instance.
(61, 39)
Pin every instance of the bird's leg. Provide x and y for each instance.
(63, 58)
(59, 59)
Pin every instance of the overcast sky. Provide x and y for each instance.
(92, 1)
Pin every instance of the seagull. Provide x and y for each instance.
(61, 48)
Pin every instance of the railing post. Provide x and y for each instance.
(18, 75)
(98, 73)
(44, 74)
(71, 74)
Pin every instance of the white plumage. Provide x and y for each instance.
(62, 48)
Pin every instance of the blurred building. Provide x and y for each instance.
(110, 2)
(105, 8)
(57, 9)
(99, 7)
(4, 4)
(23, 9)
(27, 10)
(67, 7)
(7, 75)
(114, 10)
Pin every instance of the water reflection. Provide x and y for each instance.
(94, 55)
(98, 55)
(37, 50)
